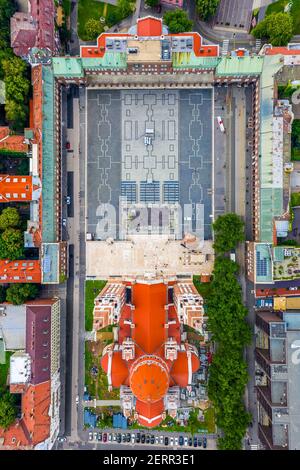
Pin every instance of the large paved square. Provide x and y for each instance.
(151, 148)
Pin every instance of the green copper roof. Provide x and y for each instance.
(188, 59)
(271, 196)
(67, 67)
(251, 65)
(115, 60)
(49, 157)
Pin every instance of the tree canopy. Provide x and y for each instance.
(9, 217)
(152, 3)
(177, 21)
(93, 29)
(8, 410)
(11, 244)
(17, 294)
(228, 371)
(124, 7)
(17, 88)
(228, 231)
(277, 28)
(207, 8)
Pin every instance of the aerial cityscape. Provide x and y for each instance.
(150, 225)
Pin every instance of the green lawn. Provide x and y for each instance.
(4, 369)
(88, 9)
(92, 289)
(204, 288)
(278, 7)
(295, 199)
(97, 387)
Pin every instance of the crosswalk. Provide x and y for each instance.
(225, 46)
(257, 45)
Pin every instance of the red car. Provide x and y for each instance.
(68, 145)
(104, 437)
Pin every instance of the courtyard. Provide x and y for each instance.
(149, 153)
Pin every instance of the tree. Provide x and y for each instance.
(177, 21)
(17, 294)
(9, 217)
(92, 29)
(277, 28)
(207, 8)
(11, 244)
(229, 230)
(125, 8)
(8, 410)
(152, 3)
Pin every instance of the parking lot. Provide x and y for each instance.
(156, 439)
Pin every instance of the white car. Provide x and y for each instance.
(186, 441)
(221, 124)
(156, 440)
(110, 437)
(176, 441)
(114, 437)
(161, 438)
(90, 436)
(171, 441)
(133, 438)
(95, 436)
(77, 400)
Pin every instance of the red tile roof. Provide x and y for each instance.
(15, 188)
(149, 26)
(149, 374)
(282, 50)
(149, 298)
(20, 271)
(14, 143)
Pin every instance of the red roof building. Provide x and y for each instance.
(33, 29)
(150, 363)
(150, 29)
(40, 388)
(12, 143)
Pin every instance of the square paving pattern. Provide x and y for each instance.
(148, 147)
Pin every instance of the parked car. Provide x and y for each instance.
(109, 437)
(104, 437)
(100, 436)
(68, 145)
(181, 440)
(143, 438)
(138, 438)
(221, 124)
(68, 199)
(195, 442)
(90, 436)
(77, 399)
(128, 437)
(114, 436)
(204, 442)
(119, 438)
(95, 436)
(199, 441)
(186, 441)
(123, 437)
(176, 441)
(133, 438)
(171, 441)
(156, 440)
(166, 441)
(152, 439)
(190, 442)
(147, 439)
